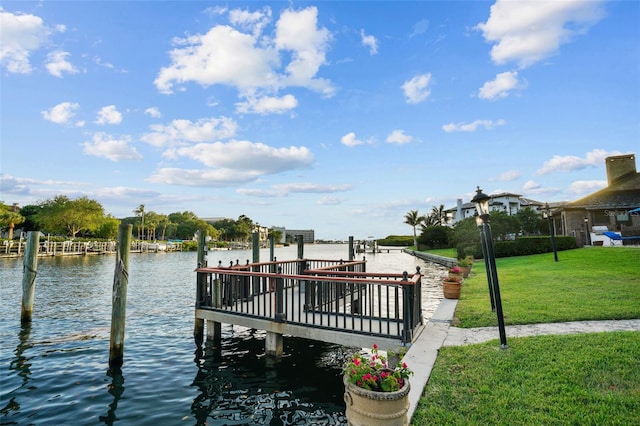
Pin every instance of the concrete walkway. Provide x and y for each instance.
(438, 333)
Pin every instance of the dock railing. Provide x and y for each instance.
(326, 294)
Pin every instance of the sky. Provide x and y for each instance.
(337, 116)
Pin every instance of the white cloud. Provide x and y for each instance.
(530, 185)
(109, 115)
(420, 28)
(583, 187)
(153, 112)
(330, 201)
(399, 137)
(595, 158)
(267, 105)
(106, 146)
(61, 113)
(202, 177)
(313, 188)
(369, 41)
(350, 140)
(181, 132)
(57, 63)
(529, 31)
(508, 176)
(247, 156)
(21, 34)
(473, 126)
(283, 190)
(500, 87)
(232, 163)
(417, 89)
(253, 21)
(251, 62)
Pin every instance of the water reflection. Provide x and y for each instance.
(116, 389)
(239, 385)
(21, 364)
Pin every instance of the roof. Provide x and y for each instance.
(623, 194)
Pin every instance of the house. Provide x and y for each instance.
(507, 202)
(613, 208)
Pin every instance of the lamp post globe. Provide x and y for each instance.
(481, 201)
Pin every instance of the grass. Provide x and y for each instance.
(590, 379)
(595, 283)
(446, 252)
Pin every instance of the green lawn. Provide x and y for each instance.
(590, 379)
(594, 283)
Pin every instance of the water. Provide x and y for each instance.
(55, 371)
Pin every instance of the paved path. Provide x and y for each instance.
(438, 333)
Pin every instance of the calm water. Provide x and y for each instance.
(55, 372)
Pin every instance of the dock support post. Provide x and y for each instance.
(300, 241)
(351, 251)
(214, 331)
(272, 245)
(30, 270)
(274, 344)
(255, 281)
(119, 297)
(198, 325)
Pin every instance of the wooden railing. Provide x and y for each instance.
(316, 293)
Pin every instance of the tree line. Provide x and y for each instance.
(434, 232)
(86, 218)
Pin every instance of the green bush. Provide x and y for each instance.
(522, 246)
(396, 241)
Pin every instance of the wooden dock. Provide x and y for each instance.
(326, 300)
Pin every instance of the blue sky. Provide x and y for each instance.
(331, 115)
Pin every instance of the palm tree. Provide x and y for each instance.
(414, 219)
(10, 217)
(439, 215)
(140, 212)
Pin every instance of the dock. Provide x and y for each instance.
(332, 301)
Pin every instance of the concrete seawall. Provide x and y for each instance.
(441, 260)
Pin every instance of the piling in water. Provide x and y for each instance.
(30, 270)
(119, 297)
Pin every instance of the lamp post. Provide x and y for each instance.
(481, 202)
(547, 212)
(586, 231)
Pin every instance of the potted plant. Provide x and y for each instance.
(465, 267)
(376, 393)
(451, 286)
(455, 272)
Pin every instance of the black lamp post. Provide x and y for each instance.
(481, 202)
(547, 211)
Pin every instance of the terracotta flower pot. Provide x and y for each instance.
(451, 289)
(370, 408)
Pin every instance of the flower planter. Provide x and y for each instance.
(451, 289)
(371, 408)
(456, 276)
(465, 270)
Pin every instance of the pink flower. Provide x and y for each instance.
(375, 346)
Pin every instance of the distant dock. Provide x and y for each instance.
(86, 248)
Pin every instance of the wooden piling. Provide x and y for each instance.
(351, 250)
(119, 297)
(300, 241)
(29, 272)
(198, 325)
(272, 245)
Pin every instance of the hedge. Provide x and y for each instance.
(521, 246)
